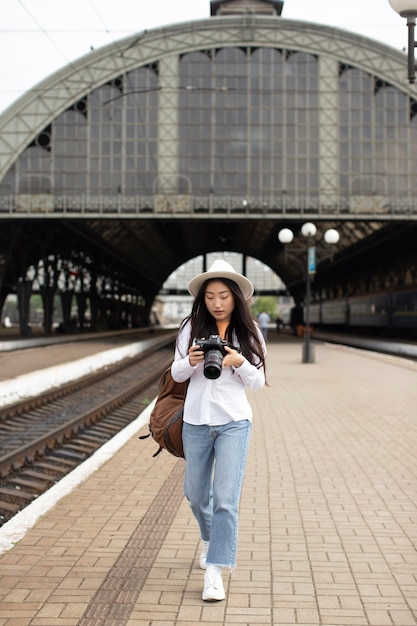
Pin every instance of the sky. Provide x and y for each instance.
(39, 37)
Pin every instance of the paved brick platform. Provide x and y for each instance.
(328, 530)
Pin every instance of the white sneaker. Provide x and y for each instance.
(203, 555)
(213, 586)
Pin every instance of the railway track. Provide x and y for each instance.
(44, 438)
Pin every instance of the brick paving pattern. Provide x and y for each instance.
(118, 593)
(328, 520)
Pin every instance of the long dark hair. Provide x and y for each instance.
(241, 324)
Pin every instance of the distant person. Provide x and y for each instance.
(264, 320)
(7, 322)
(297, 318)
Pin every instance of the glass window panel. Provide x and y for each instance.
(248, 119)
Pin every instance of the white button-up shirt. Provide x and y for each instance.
(217, 401)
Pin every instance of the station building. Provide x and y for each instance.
(209, 136)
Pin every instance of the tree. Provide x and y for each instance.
(267, 304)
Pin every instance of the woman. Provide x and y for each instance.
(217, 414)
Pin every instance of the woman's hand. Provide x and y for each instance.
(233, 358)
(195, 355)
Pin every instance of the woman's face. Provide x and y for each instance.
(219, 301)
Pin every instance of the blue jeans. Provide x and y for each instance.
(215, 466)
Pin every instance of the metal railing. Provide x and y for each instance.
(186, 205)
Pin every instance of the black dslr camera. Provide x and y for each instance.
(214, 351)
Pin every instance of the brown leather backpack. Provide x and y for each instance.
(165, 422)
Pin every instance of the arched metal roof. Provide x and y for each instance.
(29, 115)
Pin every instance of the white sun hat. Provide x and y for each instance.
(221, 269)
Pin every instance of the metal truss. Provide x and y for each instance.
(28, 116)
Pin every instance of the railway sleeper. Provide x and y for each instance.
(8, 509)
(24, 481)
(82, 444)
(54, 462)
(39, 475)
(67, 453)
(8, 492)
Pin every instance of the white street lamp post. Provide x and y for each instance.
(331, 237)
(408, 9)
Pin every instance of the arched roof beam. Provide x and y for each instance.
(27, 117)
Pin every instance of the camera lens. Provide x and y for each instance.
(213, 364)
